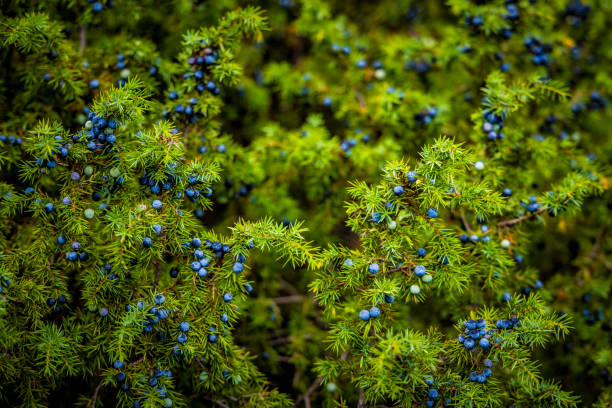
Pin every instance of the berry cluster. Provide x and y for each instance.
(484, 375)
(493, 125)
(508, 324)
(425, 116)
(532, 205)
(576, 12)
(62, 151)
(56, 303)
(10, 139)
(77, 253)
(420, 66)
(366, 314)
(432, 393)
(484, 229)
(347, 144)
(539, 50)
(100, 132)
(200, 64)
(98, 6)
(475, 330)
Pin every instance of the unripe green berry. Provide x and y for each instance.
(427, 278)
(88, 125)
(415, 289)
(125, 73)
(88, 171)
(203, 376)
(115, 172)
(331, 387)
(89, 213)
(392, 224)
(505, 244)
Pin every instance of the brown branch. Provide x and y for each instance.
(597, 243)
(306, 396)
(465, 223)
(522, 218)
(92, 401)
(82, 39)
(361, 402)
(158, 268)
(361, 99)
(287, 299)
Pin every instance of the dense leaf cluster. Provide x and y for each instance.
(316, 203)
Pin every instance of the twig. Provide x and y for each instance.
(522, 218)
(94, 397)
(465, 223)
(306, 396)
(82, 39)
(361, 100)
(361, 402)
(158, 268)
(287, 299)
(597, 243)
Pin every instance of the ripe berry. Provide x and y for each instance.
(184, 326)
(421, 252)
(182, 338)
(398, 190)
(228, 297)
(433, 393)
(364, 315)
(373, 268)
(374, 312)
(118, 364)
(160, 299)
(157, 204)
(432, 213)
(469, 343)
(147, 242)
(238, 267)
(103, 312)
(420, 271)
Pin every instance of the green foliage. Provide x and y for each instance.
(277, 135)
